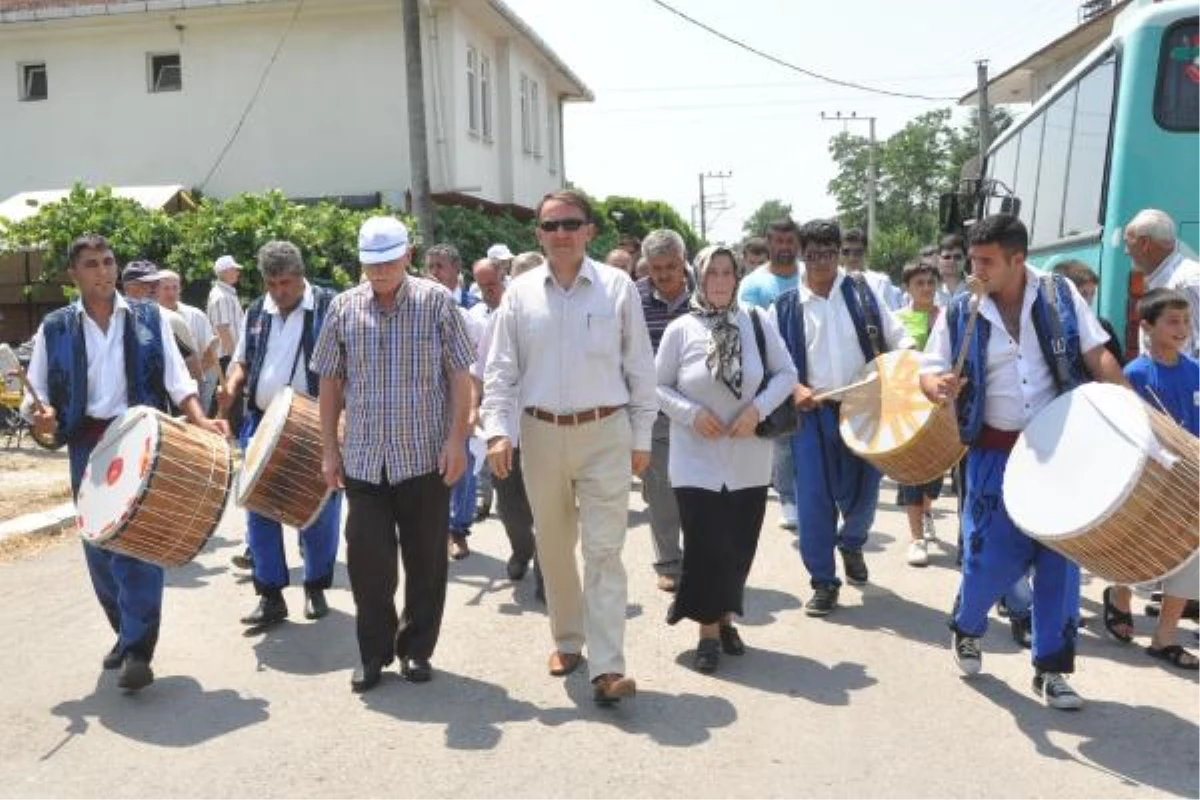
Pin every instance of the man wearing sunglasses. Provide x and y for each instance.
(570, 373)
(951, 257)
(854, 261)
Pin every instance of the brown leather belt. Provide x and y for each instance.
(995, 439)
(578, 418)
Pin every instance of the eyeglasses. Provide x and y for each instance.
(569, 225)
(952, 256)
(852, 251)
(820, 255)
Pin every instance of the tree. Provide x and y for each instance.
(616, 215)
(770, 211)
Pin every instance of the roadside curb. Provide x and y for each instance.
(40, 523)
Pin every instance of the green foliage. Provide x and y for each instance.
(616, 215)
(473, 232)
(892, 249)
(770, 211)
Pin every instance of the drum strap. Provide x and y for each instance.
(866, 322)
(1057, 341)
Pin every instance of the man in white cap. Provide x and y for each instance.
(225, 309)
(501, 258)
(395, 354)
(203, 336)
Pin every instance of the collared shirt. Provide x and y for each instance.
(893, 298)
(944, 295)
(686, 385)
(224, 308)
(107, 392)
(1019, 381)
(201, 329)
(659, 311)
(568, 350)
(1181, 273)
(478, 369)
(396, 365)
(762, 286)
(834, 355)
(283, 360)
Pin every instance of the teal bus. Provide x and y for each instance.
(1117, 134)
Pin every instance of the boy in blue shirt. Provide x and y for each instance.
(1170, 381)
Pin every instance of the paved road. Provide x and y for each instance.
(866, 703)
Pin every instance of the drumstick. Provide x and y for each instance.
(978, 290)
(823, 396)
(1162, 407)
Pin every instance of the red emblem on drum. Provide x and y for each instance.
(115, 468)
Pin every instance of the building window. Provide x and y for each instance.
(165, 72)
(33, 81)
(485, 97)
(472, 89)
(552, 128)
(535, 117)
(526, 123)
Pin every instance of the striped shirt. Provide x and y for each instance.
(396, 365)
(658, 311)
(224, 308)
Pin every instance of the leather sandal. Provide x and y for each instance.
(1175, 655)
(1114, 616)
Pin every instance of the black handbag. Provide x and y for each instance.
(784, 420)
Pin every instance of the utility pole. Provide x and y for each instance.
(418, 144)
(985, 111)
(872, 176)
(705, 203)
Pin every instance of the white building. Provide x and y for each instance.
(306, 96)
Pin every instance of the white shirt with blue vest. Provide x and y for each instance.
(283, 363)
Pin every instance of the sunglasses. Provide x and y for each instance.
(820, 255)
(569, 225)
(952, 256)
(852, 251)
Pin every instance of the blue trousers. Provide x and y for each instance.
(462, 499)
(997, 554)
(129, 590)
(318, 541)
(783, 472)
(830, 481)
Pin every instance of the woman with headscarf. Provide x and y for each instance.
(711, 385)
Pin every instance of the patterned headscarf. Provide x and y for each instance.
(724, 357)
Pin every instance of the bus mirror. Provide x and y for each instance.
(949, 214)
(1010, 205)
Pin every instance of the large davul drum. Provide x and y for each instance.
(1109, 482)
(154, 488)
(890, 423)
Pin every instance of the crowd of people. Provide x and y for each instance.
(710, 378)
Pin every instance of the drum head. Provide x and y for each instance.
(264, 442)
(1078, 459)
(886, 413)
(118, 473)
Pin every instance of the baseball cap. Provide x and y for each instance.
(225, 263)
(499, 252)
(382, 239)
(140, 272)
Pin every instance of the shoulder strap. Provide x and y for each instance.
(870, 335)
(761, 340)
(1054, 341)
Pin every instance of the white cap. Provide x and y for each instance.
(499, 252)
(225, 263)
(382, 239)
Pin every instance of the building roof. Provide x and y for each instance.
(169, 198)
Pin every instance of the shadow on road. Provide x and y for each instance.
(789, 675)
(174, 711)
(762, 605)
(307, 647)
(192, 575)
(471, 711)
(1106, 730)
(884, 610)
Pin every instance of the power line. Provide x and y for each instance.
(262, 81)
(794, 67)
(940, 78)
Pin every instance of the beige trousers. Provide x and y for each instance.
(577, 478)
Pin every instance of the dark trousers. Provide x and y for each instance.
(414, 514)
(513, 506)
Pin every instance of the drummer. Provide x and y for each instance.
(96, 332)
(279, 332)
(1006, 381)
(833, 325)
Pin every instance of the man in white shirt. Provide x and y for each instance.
(203, 336)
(854, 261)
(273, 353)
(1152, 247)
(833, 324)
(571, 348)
(1006, 382)
(78, 406)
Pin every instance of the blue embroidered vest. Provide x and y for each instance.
(66, 362)
(258, 328)
(864, 312)
(1057, 331)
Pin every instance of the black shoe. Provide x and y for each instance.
(315, 606)
(517, 567)
(366, 675)
(112, 659)
(823, 601)
(1022, 631)
(244, 560)
(271, 609)
(416, 670)
(1002, 608)
(856, 568)
(135, 673)
(708, 653)
(731, 642)
(483, 511)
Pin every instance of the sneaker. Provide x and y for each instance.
(856, 568)
(927, 528)
(918, 553)
(967, 653)
(788, 517)
(823, 601)
(1055, 692)
(1022, 631)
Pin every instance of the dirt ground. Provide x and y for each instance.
(32, 479)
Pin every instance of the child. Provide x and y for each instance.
(920, 283)
(1169, 381)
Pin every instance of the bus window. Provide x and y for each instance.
(1056, 157)
(1176, 101)
(1028, 162)
(1089, 149)
(1003, 165)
